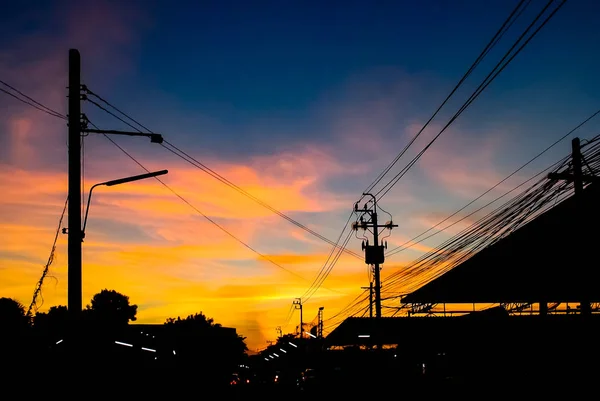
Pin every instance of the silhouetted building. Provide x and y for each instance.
(552, 258)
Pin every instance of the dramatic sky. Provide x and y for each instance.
(302, 104)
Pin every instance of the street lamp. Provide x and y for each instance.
(116, 182)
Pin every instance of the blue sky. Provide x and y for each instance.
(313, 97)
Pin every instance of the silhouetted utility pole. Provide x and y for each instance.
(74, 294)
(578, 178)
(298, 305)
(370, 288)
(320, 323)
(374, 254)
(77, 125)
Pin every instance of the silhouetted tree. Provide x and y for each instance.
(12, 315)
(216, 351)
(54, 321)
(286, 338)
(14, 332)
(110, 309)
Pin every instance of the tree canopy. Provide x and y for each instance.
(12, 314)
(199, 338)
(111, 308)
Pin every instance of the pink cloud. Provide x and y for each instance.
(37, 65)
(465, 165)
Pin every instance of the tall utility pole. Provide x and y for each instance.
(320, 323)
(77, 125)
(578, 178)
(74, 295)
(370, 288)
(374, 254)
(298, 305)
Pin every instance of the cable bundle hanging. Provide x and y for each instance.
(420, 238)
(491, 228)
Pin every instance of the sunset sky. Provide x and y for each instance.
(302, 105)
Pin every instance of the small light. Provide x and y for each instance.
(125, 344)
(293, 345)
(59, 341)
(276, 355)
(267, 359)
(364, 336)
(174, 353)
(282, 350)
(148, 349)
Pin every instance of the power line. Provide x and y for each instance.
(183, 155)
(491, 44)
(404, 246)
(325, 269)
(489, 79)
(325, 273)
(220, 227)
(34, 105)
(202, 166)
(493, 227)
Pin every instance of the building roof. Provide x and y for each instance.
(442, 331)
(552, 258)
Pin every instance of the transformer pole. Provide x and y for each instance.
(374, 254)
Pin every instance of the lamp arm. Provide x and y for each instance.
(87, 209)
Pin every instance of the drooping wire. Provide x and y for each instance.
(30, 101)
(203, 167)
(183, 155)
(489, 229)
(408, 244)
(325, 269)
(313, 289)
(514, 15)
(210, 220)
(500, 66)
(33, 306)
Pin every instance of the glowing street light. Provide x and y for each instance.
(116, 182)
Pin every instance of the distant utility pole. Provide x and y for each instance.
(578, 178)
(370, 288)
(279, 332)
(320, 322)
(374, 254)
(77, 125)
(298, 305)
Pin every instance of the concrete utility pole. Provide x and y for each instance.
(74, 295)
(374, 254)
(298, 305)
(77, 125)
(578, 178)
